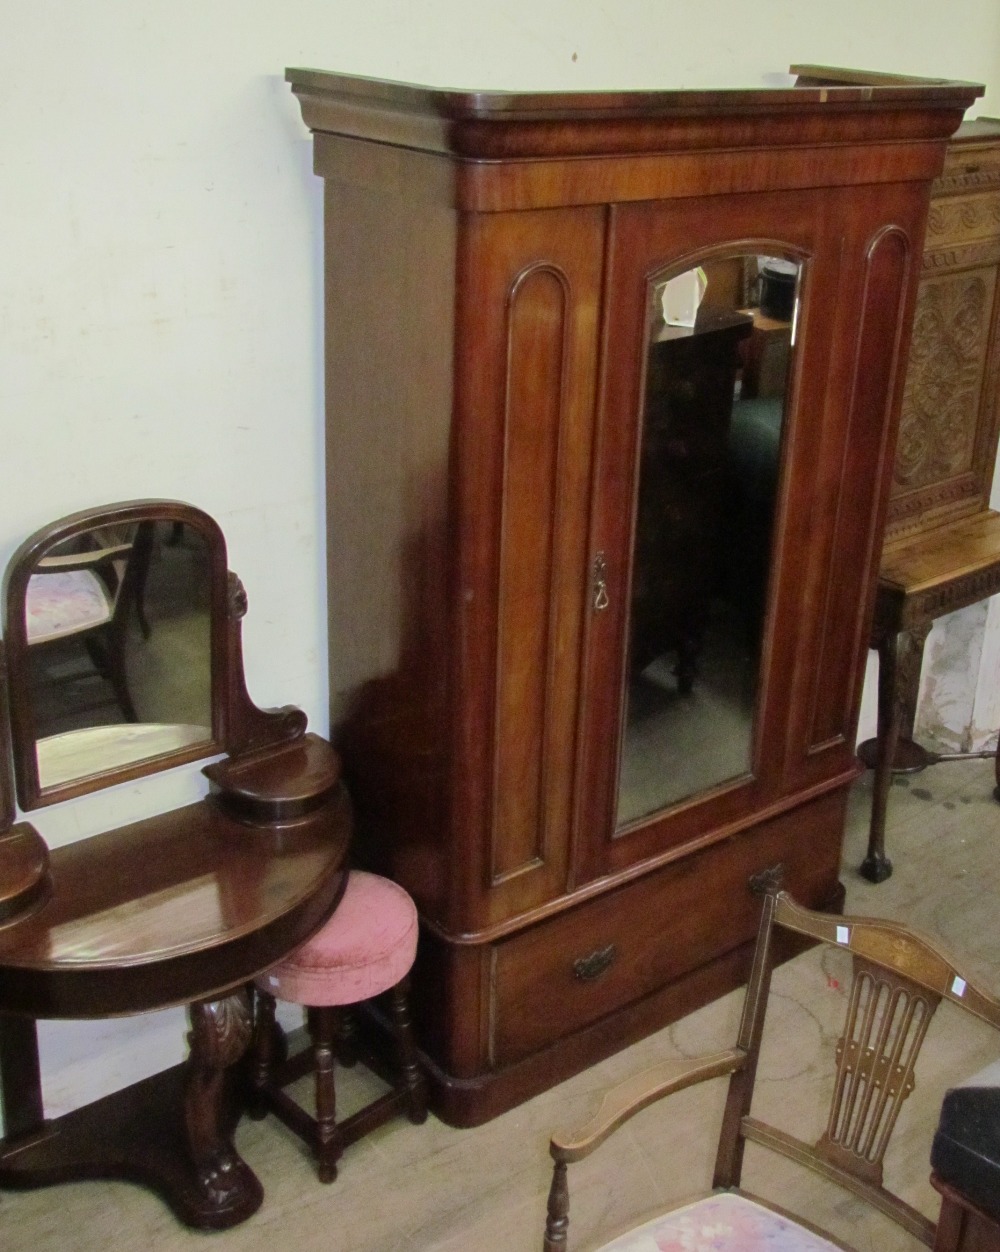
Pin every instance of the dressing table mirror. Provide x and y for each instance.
(123, 657)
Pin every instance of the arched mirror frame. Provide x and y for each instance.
(25, 881)
(237, 725)
(655, 277)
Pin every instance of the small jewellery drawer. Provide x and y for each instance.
(565, 973)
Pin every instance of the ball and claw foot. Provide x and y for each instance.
(876, 867)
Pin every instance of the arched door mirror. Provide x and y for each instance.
(117, 647)
(720, 337)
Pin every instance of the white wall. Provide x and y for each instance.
(160, 329)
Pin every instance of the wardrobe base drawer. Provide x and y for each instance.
(565, 973)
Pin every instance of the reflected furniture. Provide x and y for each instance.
(895, 983)
(88, 596)
(365, 950)
(182, 908)
(680, 533)
(504, 250)
(942, 546)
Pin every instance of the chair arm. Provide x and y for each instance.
(83, 560)
(638, 1092)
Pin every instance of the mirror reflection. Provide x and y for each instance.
(720, 339)
(118, 631)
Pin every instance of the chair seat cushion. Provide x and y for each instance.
(63, 603)
(721, 1223)
(366, 947)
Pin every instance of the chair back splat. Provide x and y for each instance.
(898, 981)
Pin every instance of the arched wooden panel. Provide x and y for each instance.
(878, 343)
(537, 331)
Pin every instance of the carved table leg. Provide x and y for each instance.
(170, 1132)
(900, 656)
(908, 757)
(219, 1036)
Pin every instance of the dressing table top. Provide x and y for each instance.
(171, 909)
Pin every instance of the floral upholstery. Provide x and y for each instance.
(721, 1223)
(64, 602)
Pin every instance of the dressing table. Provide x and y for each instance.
(182, 908)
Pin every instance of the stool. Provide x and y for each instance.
(922, 577)
(366, 948)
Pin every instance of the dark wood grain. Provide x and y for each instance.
(182, 908)
(942, 547)
(171, 909)
(488, 273)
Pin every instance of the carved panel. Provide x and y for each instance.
(947, 361)
(958, 593)
(962, 218)
(950, 412)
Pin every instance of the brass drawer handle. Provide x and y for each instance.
(587, 968)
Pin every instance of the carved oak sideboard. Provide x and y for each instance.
(582, 839)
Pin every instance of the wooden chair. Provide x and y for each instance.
(89, 596)
(898, 981)
(366, 948)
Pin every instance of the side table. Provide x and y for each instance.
(922, 577)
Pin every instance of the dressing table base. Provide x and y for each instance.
(171, 1132)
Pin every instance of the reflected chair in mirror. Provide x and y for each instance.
(110, 635)
(89, 596)
(367, 948)
(896, 983)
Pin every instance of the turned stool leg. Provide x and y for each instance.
(347, 1038)
(329, 1141)
(263, 1053)
(412, 1075)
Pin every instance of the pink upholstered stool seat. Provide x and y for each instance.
(367, 947)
